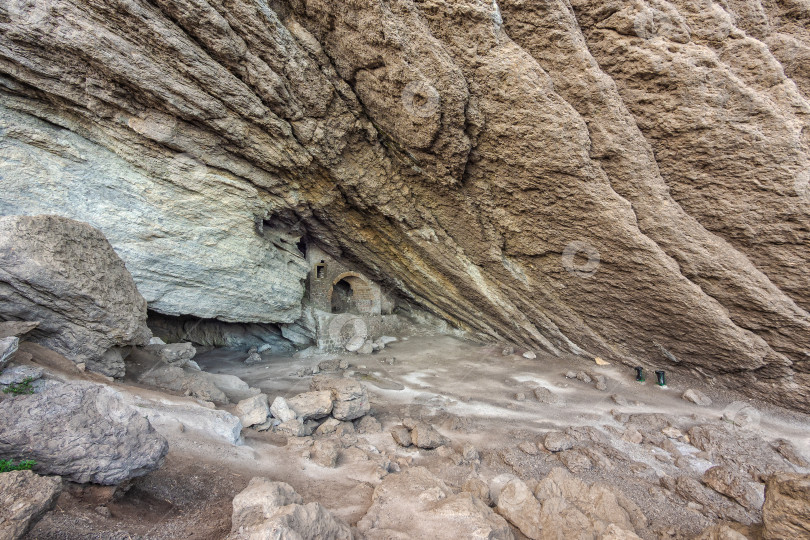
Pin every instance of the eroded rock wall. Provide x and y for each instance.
(627, 179)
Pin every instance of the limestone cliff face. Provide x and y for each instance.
(626, 179)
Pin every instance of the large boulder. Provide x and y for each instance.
(311, 405)
(417, 504)
(516, 502)
(267, 509)
(66, 275)
(24, 497)
(786, 512)
(82, 431)
(253, 410)
(575, 509)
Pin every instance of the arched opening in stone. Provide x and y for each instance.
(351, 294)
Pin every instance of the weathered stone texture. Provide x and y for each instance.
(629, 179)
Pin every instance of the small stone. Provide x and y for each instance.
(570, 375)
(343, 364)
(672, 432)
(697, 397)
(409, 423)
(619, 400)
(281, 410)
(469, 453)
(325, 452)
(366, 348)
(556, 441)
(575, 461)
(508, 351)
(328, 426)
(304, 372)
(425, 436)
(402, 436)
(253, 359)
(544, 395)
(520, 396)
(367, 424)
(355, 343)
(632, 436)
(584, 377)
(102, 511)
(529, 355)
(294, 427)
(528, 448)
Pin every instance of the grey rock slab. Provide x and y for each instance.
(18, 374)
(167, 416)
(17, 329)
(85, 432)
(66, 275)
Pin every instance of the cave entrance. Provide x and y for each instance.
(351, 294)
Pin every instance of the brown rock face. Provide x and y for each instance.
(629, 180)
(786, 512)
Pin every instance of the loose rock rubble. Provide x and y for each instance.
(419, 434)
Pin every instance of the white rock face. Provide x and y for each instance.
(167, 415)
(186, 255)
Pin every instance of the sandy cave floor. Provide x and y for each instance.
(467, 391)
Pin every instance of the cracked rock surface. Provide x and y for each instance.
(629, 180)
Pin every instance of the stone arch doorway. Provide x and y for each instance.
(350, 293)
